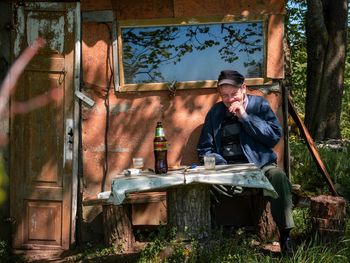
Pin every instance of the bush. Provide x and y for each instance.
(6, 255)
(336, 160)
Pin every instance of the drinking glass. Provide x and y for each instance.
(209, 162)
(137, 162)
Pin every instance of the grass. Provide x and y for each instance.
(6, 255)
(162, 246)
(305, 172)
(239, 247)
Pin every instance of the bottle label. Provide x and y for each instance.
(160, 132)
(160, 146)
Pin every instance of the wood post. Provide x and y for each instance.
(117, 227)
(311, 146)
(266, 227)
(188, 210)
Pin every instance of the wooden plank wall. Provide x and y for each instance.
(133, 115)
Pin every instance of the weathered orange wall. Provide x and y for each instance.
(133, 115)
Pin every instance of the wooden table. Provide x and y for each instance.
(244, 175)
(188, 200)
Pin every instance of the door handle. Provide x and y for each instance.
(62, 76)
(70, 135)
(69, 140)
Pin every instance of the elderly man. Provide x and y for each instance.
(243, 128)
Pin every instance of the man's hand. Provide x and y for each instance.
(237, 108)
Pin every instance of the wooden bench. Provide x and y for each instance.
(117, 219)
(191, 216)
(134, 198)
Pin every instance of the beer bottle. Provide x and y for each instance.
(160, 150)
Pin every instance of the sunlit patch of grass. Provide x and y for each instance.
(92, 253)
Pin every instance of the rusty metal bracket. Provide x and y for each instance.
(84, 98)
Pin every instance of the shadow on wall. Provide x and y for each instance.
(189, 151)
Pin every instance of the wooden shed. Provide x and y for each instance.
(122, 66)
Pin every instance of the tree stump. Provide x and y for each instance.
(188, 210)
(117, 227)
(266, 227)
(328, 215)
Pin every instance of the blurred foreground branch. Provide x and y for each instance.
(8, 88)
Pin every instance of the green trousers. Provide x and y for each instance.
(281, 207)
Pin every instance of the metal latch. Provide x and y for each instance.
(84, 98)
(68, 147)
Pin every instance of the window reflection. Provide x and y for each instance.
(191, 52)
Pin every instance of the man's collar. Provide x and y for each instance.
(245, 101)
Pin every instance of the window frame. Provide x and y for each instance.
(156, 86)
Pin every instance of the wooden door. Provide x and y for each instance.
(41, 141)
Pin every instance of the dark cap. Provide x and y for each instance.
(230, 77)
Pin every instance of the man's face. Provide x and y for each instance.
(230, 94)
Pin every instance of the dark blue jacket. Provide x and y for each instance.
(260, 132)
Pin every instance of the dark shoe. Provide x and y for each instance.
(287, 247)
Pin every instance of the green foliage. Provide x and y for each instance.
(152, 249)
(215, 249)
(302, 223)
(6, 256)
(92, 253)
(305, 172)
(325, 253)
(242, 248)
(3, 181)
(295, 22)
(345, 116)
(295, 27)
(303, 169)
(239, 246)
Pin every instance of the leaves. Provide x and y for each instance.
(146, 50)
(3, 181)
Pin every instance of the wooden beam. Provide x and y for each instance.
(286, 148)
(101, 16)
(311, 146)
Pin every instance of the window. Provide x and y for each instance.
(155, 53)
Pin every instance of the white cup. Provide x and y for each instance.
(137, 162)
(209, 162)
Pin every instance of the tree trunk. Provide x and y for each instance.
(117, 227)
(326, 32)
(188, 209)
(266, 227)
(286, 86)
(328, 217)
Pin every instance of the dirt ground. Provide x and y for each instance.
(68, 256)
(58, 256)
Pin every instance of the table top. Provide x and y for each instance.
(244, 175)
